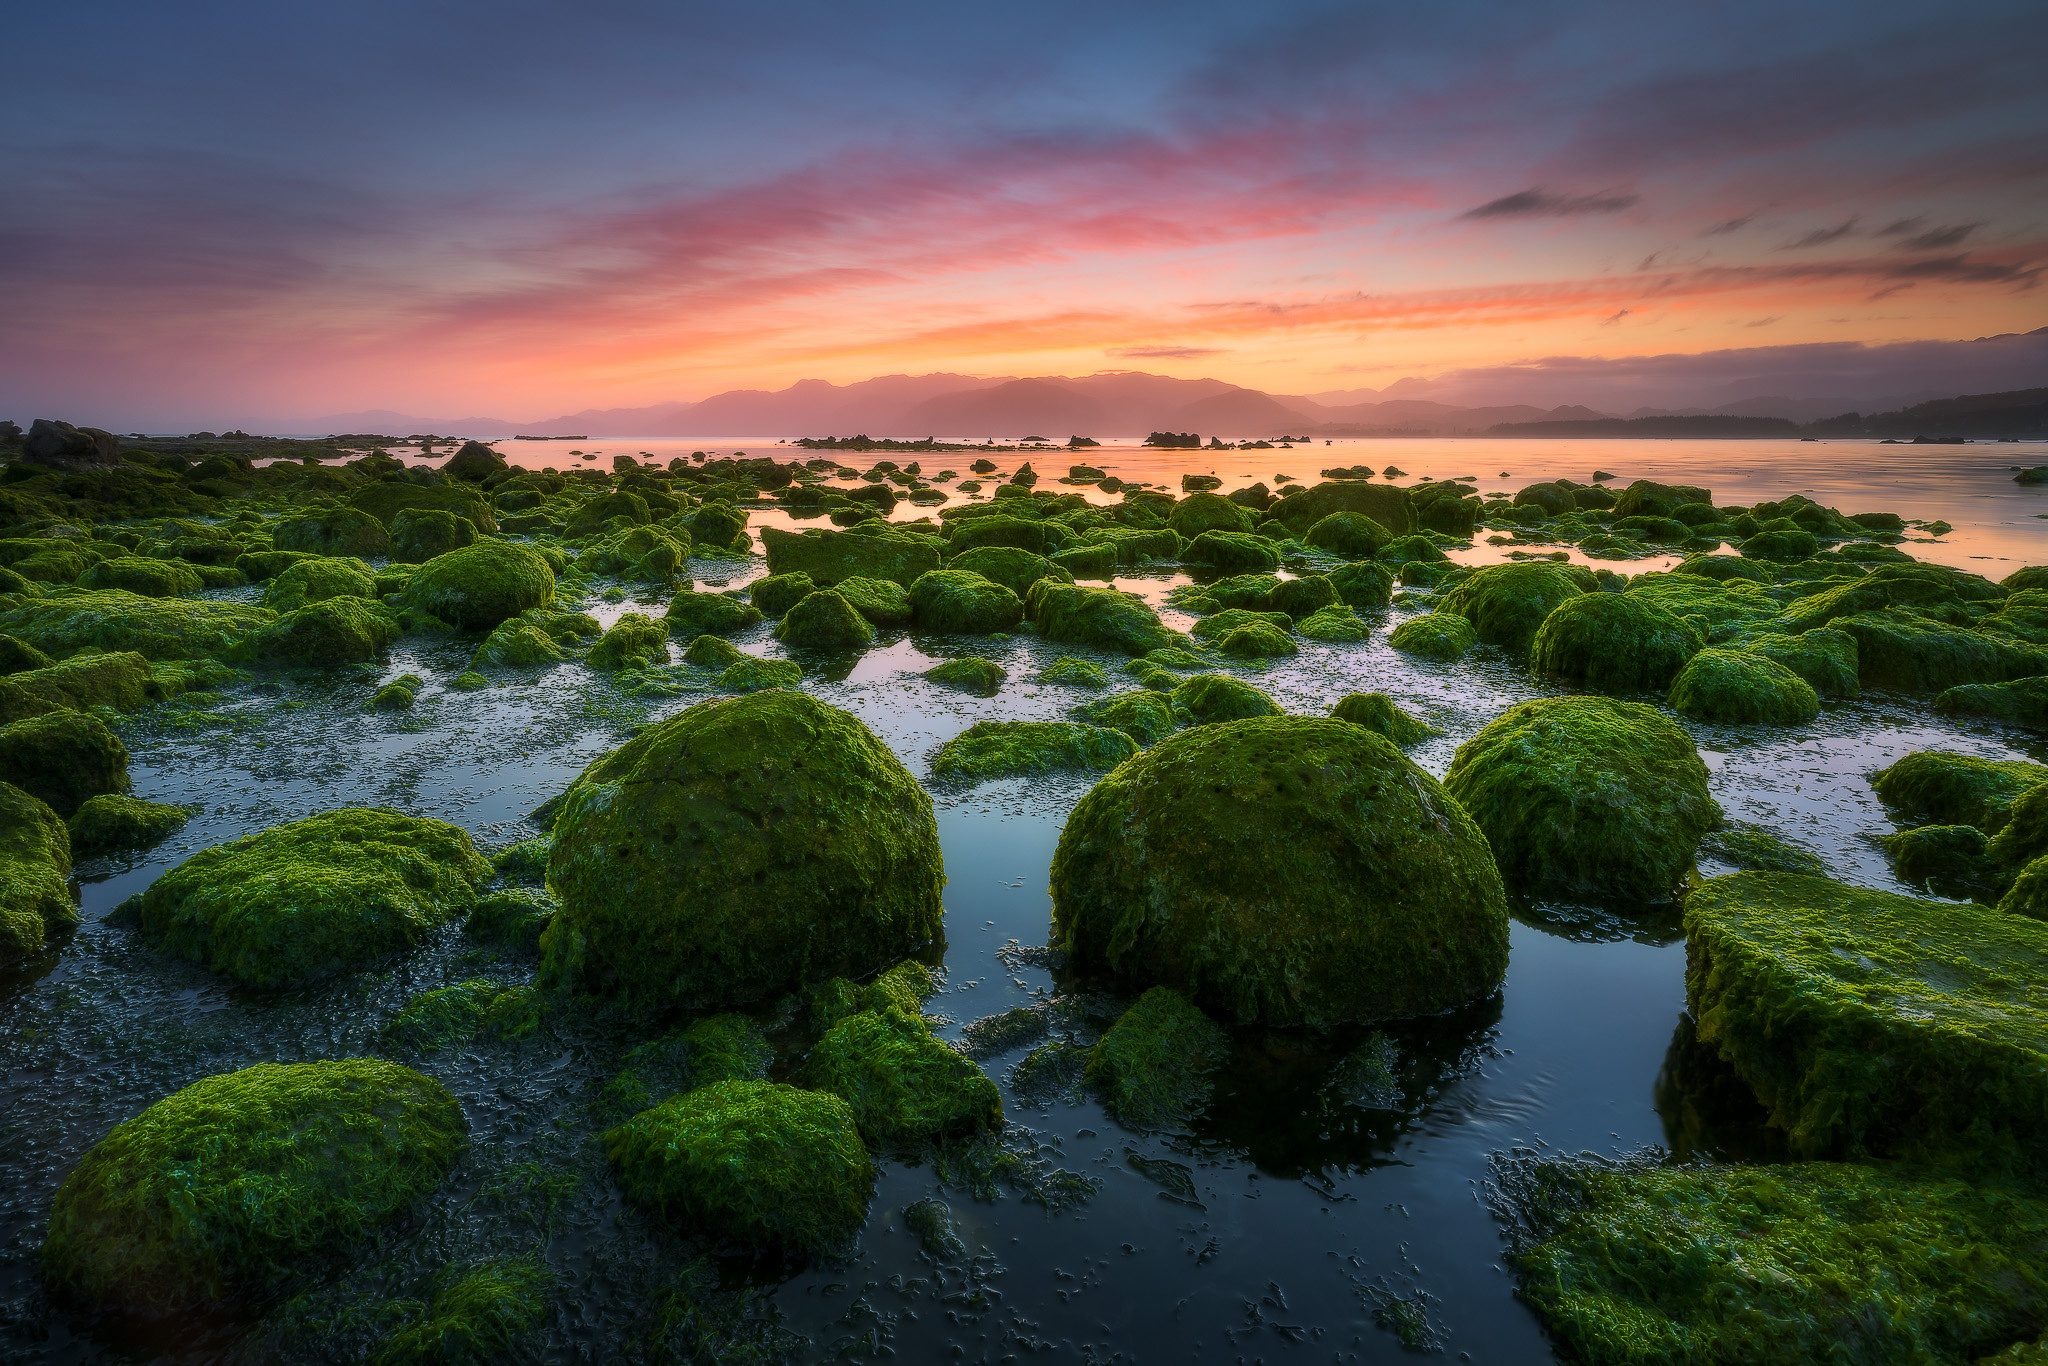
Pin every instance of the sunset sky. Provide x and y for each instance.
(221, 212)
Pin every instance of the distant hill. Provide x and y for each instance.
(1709, 425)
(2016, 412)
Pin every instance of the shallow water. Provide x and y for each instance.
(1293, 1219)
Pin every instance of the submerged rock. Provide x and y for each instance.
(745, 847)
(228, 1190)
(1156, 1066)
(1287, 870)
(327, 894)
(1586, 797)
(988, 750)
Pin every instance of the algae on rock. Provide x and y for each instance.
(1156, 1066)
(988, 750)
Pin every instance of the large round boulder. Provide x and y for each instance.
(1286, 870)
(480, 585)
(1614, 642)
(1506, 603)
(745, 847)
(1586, 797)
(228, 1188)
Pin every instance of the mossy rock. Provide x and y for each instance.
(1222, 623)
(956, 601)
(692, 614)
(63, 758)
(485, 1316)
(232, 1188)
(1364, 586)
(1014, 568)
(1825, 658)
(998, 531)
(1806, 1262)
(904, 987)
(325, 634)
(745, 847)
(334, 531)
(1379, 713)
(515, 917)
(1870, 1024)
(1202, 513)
(751, 674)
(478, 586)
(1904, 652)
(1286, 870)
(1947, 860)
(122, 681)
(1093, 561)
(1256, 640)
(777, 593)
(1334, 624)
(420, 534)
(1648, 498)
(1248, 592)
(1785, 546)
(1507, 603)
(829, 556)
(1755, 850)
(35, 869)
(452, 1015)
(1416, 548)
(1441, 636)
(1155, 1067)
(399, 694)
(302, 901)
(1207, 699)
(643, 554)
(112, 821)
(766, 1166)
(633, 642)
(884, 602)
(1235, 551)
(1350, 534)
(988, 750)
(1938, 787)
(113, 620)
(386, 499)
(318, 578)
(717, 1048)
(1099, 618)
(974, 674)
(901, 1083)
(1586, 797)
(1738, 687)
(1078, 673)
(18, 656)
(261, 566)
(825, 621)
(1302, 508)
(1614, 643)
(517, 643)
(1144, 716)
(145, 577)
(1303, 597)
(2023, 701)
(524, 864)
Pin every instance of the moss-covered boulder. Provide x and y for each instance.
(1072, 672)
(1207, 699)
(1201, 513)
(1905, 652)
(983, 677)
(316, 579)
(692, 614)
(517, 643)
(1586, 797)
(1378, 712)
(632, 642)
(302, 901)
(1156, 1066)
(1350, 534)
(386, 499)
(884, 602)
(714, 1049)
(1825, 658)
(1614, 643)
(1648, 498)
(232, 1188)
(122, 681)
(1101, 618)
(766, 1166)
(1288, 870)
(35, 867)
(1938, 787)
(998, 530)
(1234, 551)
(113, 821)
(1364, 586)
(957, 601)
(777, 593)
(454, 1015)
(478, 586)
(18, 656)
(486, 1315)
(1336, 623)
(1256, 640)
(1738, 687)
(334, 531)
(829, 556)
(112, 619)
(1017, 569)
(1144, 716)
(901, 1083)
(1441, 636)
(63, 758)
(325, 634)
(825, 621)
(1507, 603)
(1947, 860)
(1871, 1024)
(988, 750)
(420, 534)
(144, 577)
(1301, 508)
(1806, 1262)
(644, 554)
(2023, 701)
(744, 847)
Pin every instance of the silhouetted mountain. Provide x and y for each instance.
(2017, 412)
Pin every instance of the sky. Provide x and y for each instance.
(220, 213)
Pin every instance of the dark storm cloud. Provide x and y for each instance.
(1543, 204)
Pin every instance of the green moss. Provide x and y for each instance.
(82, 682)
(971, 674)
(1303, 597)
(1798, 1263)
(1742, 688)
(904, 987)
(447, 1016)
(62, 758)
(470, 681)
(1334, 623)
(316, 579)
(633, 642)
(1093, 561)
(35, 865)
(1648, 498)
(1236, 551)
(18, 656)
(111, 821)
(1156, 1065)
(1442, 636)
(260, 566)
(1614, 642)
(712, 652)
(110, 619)
(1507, 603)
(777, 593)
(230, 1188)
(1099, 618)
(610, 510)
(386, 500)
(1256, 640)
(1943, 788)
(1231, 618)
(988, 750)
(325, 634)
(1288, 870)
(956, 601)
(1209, 698)
(147, 578)
(1017, 569)
(1079, 673)
(930, 1221)
(1908, 653)
(644, 554)
(1203, 513)
(1377, 712)
(1759, 851)
(1349, 534)
(829, 556)
(764, 1165)
(1363, 586)
(692, 614)
(302, 901)
(1948, 860)
(334, 531)
(514, 916)
(742, 848)
(825, 621)
(517, 643)
(482, 1318)
(1302, 508)
(419, 534)
(902, 1084)
(1144, 716)
(2024, 701)
(2024, 835)
(718, 1048)
(751, 674)
(1825, 658)
(1586, 797)
(1874, 1024)
(1785, 546)
(478, 586)
(884, 602)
